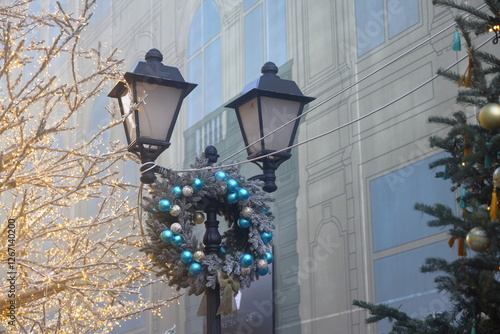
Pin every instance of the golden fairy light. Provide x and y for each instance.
(76, 238)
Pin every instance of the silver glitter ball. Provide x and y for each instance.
(176, 228)
(247, 212)
(262, 264)
(198, 256)
(187, 191)
(175, 210)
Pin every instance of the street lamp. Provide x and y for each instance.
(267, 104)
(150, 102)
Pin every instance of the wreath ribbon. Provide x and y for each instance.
(230, 285)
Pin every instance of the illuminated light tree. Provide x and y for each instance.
(74, 273)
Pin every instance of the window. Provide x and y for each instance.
(379, 20)
(419, 298)
(394, 220)
(204, 62)
(265, 35)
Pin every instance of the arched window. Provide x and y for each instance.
(204, 62)
(265, 35)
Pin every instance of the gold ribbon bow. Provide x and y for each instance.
(467, 76)
(229, 285)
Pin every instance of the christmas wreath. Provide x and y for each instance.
(176, 204)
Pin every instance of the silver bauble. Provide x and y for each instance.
(245, 271)
(262, 264)
(176, 228)
(175, 210)
(187, 191)
(247, 212)
(496, 177)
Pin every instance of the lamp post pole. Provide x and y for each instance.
(212, 240)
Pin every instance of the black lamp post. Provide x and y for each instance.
(266, 104)
(150, 101)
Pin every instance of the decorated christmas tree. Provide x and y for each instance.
(472, 163)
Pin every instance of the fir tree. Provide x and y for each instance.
(471, 282)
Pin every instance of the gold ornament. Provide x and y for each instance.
(198, 256)
(478, 240)
(198, 217)
(176, 228)
(489, 116)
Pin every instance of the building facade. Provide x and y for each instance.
(345, 224)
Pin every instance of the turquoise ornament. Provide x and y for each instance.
(269, 257)
(221, 176)
(262, 272)
(177, 192)
(243, 222)
(177, 240)
(456, 45)
(232, 185)
(246, 260)
(232, 198)
(194, 269)
(243, 194)
(164, 205)
(166, 236)
(266, 237)
(186, 256)
(197, 184)
(223, 250)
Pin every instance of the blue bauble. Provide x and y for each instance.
(232, 198)
(194, 269)
(269, 257)
(186, 256)
(246, 260)
(243, 222)
(177, 191)
(223, 250)
(266, 237)
(221, 175)
(243, 194)
(262, 272)
(232, 185)
(164, 205)
(197, 184)
(166, 235)
(177, 240)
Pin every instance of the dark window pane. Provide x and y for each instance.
(250, 3)
(195, 34)
(394, 220)
(195, 74)
(401, 15)
(211, 22)
(370, 25)
(254, 44)
(276, 32)
(212, 81)
(419, 298)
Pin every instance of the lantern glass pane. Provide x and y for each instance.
(249, 115)
(129, 122)
(275, 113)
(157, 110)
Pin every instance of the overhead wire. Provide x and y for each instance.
(342, 91)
